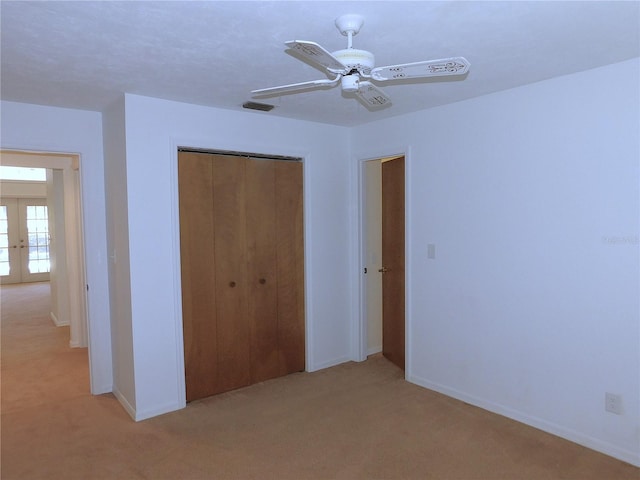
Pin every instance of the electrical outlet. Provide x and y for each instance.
(613, 403)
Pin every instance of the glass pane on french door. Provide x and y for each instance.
(10, 269)
(24, 240)
(34, 239)
(5, 266)
(38, 235)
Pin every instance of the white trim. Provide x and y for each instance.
(73, 223)
(177, 278)
(307, 241)
(74, 230)
(585, 440)
(408, 263)
(140, 415)
(205, 144)
(74, 239)
(359, 323)
(57, 322)
(37, 159)
(125, 403)
(57, 158)
(329, 363)
(374, 350)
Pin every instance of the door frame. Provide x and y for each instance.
(178, 143)
(359, 344)
(69, 164)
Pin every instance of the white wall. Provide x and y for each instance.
(529, 309)
(154, 130)
(48, 129)
(58, 277)
(531, 306)
(115, 171)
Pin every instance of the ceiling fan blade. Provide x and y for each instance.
(371, 96)
(317, 55)
(429, 68)
(296, 87)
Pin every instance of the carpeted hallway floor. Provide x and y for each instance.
(353, 421)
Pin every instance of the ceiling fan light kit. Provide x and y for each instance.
(354, 69)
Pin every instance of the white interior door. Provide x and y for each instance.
(24, 240)
(373, 253)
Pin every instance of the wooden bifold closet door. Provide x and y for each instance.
(241, 244)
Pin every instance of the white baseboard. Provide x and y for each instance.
(125, 403)
(374, 350)
(157, 410)
(138, 415)
(101, 389)
(56, 322)
(585, 440)
(330, 363)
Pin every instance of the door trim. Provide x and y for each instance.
(359, 344)
(180, 143)
(69, 163)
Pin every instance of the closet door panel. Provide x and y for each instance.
(261, 268)
(290, 267)
(229, 210)
(195, 191)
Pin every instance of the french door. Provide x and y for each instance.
(24, 240)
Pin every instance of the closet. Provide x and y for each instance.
(242, 267)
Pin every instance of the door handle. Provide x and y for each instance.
(382, 270)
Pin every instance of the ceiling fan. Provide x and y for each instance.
(354, 69)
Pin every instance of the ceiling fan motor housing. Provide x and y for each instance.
(352, 58)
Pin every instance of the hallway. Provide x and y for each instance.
(38, 366)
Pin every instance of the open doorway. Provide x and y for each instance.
(383, 257)
(64, 230)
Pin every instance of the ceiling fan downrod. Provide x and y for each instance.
(356, 61)
(349, 25)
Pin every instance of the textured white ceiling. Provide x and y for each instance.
(85, 54)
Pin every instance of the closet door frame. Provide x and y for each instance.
(303, 277)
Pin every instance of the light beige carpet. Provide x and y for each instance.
(353, 421)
